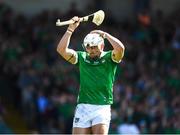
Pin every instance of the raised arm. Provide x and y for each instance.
(118, 47)
(68, 54)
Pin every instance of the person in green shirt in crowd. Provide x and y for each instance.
(97, 72)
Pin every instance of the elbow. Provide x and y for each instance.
(122, 48)
(58, 49)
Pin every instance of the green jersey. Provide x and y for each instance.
(96, 78)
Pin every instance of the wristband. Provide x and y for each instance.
(70, 30)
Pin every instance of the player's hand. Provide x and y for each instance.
(76, 23)
(100, 32)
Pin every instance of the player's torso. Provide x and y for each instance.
(96, 79)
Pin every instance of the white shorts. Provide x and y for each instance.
(88, 115)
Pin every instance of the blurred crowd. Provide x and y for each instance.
(44, 87)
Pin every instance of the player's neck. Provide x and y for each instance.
(96, 57)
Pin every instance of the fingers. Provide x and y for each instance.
(76, 23)
(100, 32)
(76, 19)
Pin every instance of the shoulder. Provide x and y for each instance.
(108, 55)
(81, 54)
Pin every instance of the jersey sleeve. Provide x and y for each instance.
(74, 54)
(79, 55)
(116, 61)
(109, 55)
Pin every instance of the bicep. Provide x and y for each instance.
(70, 55)
(117, 55)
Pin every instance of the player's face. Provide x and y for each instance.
(94, 51)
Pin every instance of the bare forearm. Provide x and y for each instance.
(64, 42)
(116, 43)
(118, 47)
(63, 47)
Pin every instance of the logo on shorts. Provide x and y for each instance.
(76, 120)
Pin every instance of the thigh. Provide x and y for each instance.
(100, 129)
(77, 130)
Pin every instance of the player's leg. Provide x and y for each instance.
(77, 130)
(100, 123)
(100, 129)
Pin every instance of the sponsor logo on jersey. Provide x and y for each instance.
(76, 120)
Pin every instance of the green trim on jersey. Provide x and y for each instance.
(96, 79)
